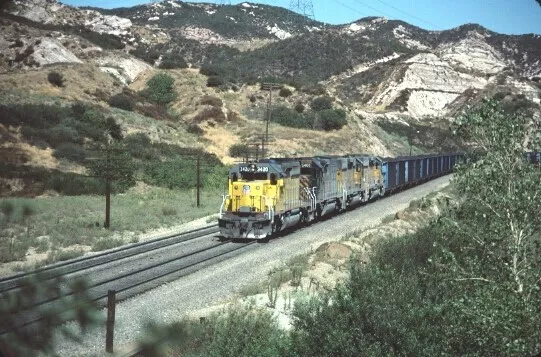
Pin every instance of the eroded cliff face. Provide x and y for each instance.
(393, 71)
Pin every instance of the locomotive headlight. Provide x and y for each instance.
(257, 187)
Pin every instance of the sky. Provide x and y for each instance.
(503, 16)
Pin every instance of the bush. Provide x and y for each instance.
(285, 92)
(62, 133)
(56, 79)
(239, 150)
(215, 81)
(72, 152)
(173, 62)
(17, 43)
(122, 101)
(299, 107)
(160, 89)
(210, 113)
(73, 184)
(208, 71)
(321, 103)
(107, 243)
(212, 101)
(288, 117)
(330, 119)
(316, 89)
(195, 129)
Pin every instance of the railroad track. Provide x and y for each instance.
(136, 277)
(71, 266)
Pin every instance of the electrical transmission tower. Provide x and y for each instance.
(304, 8)
(224, 2)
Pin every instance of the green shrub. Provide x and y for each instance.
(239, 150)
(316, 89)
(72, 152)
(160, 89)
(243, 331)
(330, 119)
(107, 243)
(299, 107)
(122, 101)
(285, 92)
(289, 117)
(321, 103)
(56, 79)
(215, 81)
(63, 133)
(209, 71)
(17, 43)
(212, 101)
(210, 113)
(195, 129)
(73, 184)
(173, 62)
(169, 211)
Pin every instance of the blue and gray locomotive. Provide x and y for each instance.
(272, 195)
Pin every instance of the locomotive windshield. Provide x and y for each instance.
(253, 176)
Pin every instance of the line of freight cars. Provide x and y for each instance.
(271, 195)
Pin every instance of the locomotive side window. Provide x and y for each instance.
(273, 179)
(234, 177)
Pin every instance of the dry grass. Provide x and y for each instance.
(64, 224)
(80, 79)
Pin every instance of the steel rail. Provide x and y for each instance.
(76, 265)
(138, 283)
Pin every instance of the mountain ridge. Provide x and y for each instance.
(391, 79)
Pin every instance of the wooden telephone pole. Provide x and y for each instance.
(270, 87)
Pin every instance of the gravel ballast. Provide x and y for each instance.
(220, 282)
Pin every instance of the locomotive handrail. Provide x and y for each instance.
(225, 197)
(270, 212)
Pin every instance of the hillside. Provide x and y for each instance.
(387, 87)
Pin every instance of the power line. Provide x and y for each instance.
(410, 15)
(376, 10)
(350, 8)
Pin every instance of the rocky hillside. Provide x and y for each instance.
(397, 85)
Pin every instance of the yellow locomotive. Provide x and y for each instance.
(272, 195)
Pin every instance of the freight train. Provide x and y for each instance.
(271, 195)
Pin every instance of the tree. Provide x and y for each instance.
(56, 79)
(160, 89)
(239, 150)
(503, 197)
(321, 103)
(76, 304)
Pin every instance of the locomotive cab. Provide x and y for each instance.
(259, 200)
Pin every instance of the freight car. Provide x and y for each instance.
(271, 195)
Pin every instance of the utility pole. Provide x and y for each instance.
(107, 223)
(270, 87)
(198, 176)
(111, 164)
